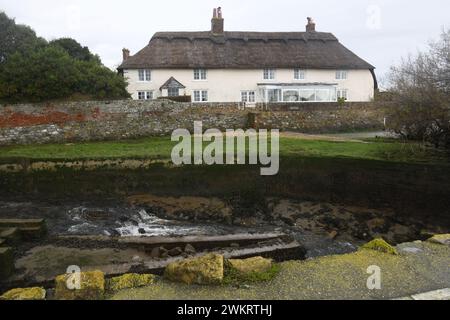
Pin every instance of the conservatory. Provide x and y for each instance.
(317, 92)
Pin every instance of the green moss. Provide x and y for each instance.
(92, 287)
(131, 280)
(234, 276)
(380, 245)
(24, 294)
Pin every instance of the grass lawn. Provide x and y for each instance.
(161, 147)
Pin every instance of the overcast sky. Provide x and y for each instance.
(380, 31)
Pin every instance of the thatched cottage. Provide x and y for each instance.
(251, 67)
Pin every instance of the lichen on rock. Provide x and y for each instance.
(35, 293)
(246, 266)
(380, 245)
(92, 287)
(130, 280)
(207, 269)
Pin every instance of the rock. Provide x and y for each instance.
(289, 220)
(380, 245)
(333, 234)
(440, 239)
(155, 253)
(175, 252)
(142, 231)
(251, 265)
(6, 262)
(136, 259)
(190, 208)
(92, 287)
(131, 280)
(95, 214)
(376, 223)
(235, 245)
(207, 269)
(189, 249)
(24, 294)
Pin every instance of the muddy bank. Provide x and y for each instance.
(407, 189)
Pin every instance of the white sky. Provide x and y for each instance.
(380, 31)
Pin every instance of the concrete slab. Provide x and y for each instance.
(442, 294)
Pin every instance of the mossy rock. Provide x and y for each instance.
(440, 239)
(92, 287)
(380, 245)
(250, 265)
(256, 269)
(130, 280)
(207, 269)
(24, 294)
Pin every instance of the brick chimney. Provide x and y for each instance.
(311, 26)
(217, 22)
(126, 54)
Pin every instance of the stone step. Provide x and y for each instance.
(6, 262)
(30, 229)
(22, 223)
(2, 242)
(11, 235)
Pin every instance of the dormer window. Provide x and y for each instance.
(341, 75)
(199, 74)
(269, 74)
(145, 75)
(299, 74)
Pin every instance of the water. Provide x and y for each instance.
(109, 220)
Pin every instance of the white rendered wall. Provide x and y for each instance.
(225, 85)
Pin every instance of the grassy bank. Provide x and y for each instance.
(161, 148)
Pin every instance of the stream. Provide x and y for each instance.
(112, 218)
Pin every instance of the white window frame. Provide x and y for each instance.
(341, 74)
(200, 74)
(248, 96)
(299, 74)
(200, 96)
(342, 93)
(144, 75)
(269, 74)
(145, 94)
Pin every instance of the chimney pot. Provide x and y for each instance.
(217, 22)
(126, 54)
(311, 26)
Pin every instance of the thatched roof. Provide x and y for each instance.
(245, 50)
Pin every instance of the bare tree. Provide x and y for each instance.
(421, 87)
